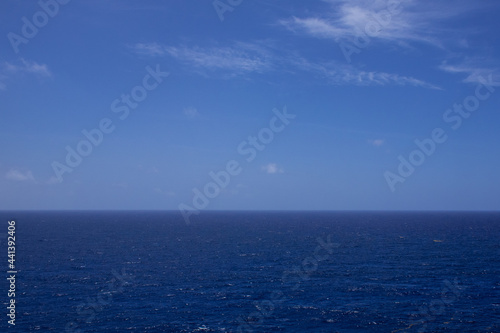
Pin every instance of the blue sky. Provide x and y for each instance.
(174, 90)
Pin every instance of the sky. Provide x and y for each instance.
(249, 105)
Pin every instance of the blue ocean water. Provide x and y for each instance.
(255, 272)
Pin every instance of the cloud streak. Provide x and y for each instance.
(243, 58)
(26, 66)
(474, 70)
(402, 21)
(17, 175)
(246, 58)
(9, 69)
(339, 74)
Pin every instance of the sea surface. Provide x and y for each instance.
(146, 271)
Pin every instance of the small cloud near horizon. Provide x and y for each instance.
(376, 142)
(17, 175)
(272, 168)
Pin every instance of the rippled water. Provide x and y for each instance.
(261, 272)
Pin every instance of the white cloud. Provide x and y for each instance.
(474, 70)
(315, 26)
(272, 168)
(191, 112)
(245, 58)
(23, 66)
(26, 66)
(376, 142)
(364, 78)
(239, 59)
(149, 49)
(340, 74)
(17, 175)
(411, 20)
(227, 58)
(430, 22)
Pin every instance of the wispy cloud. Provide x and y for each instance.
(9, 69)
(26, 66)
(474, 70)
(272, 168)
(18, 175)
(399, 21)
(241, 58)
(149, 49)
(402, 23)
(340, 74)
(244, 58)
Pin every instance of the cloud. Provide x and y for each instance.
(392, 21)
(376, 142)
(272, 168)
(244, 58)
(343, 74)
(17, 175)
(475, 71)
(149, 49)
(8, 69)
(358, 23)
(191, 113)
(314, 26)
(26, 66)
(241, 58)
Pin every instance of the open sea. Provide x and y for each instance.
(146, 271)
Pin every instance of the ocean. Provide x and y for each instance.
(143, 271)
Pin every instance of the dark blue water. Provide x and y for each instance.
(260, 272)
